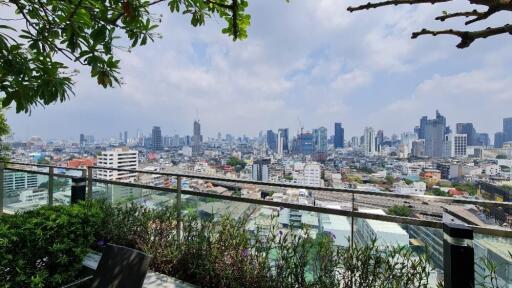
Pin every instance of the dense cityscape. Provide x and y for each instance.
(431, 159)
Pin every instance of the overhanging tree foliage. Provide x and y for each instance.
(86, 32)
(467, 37)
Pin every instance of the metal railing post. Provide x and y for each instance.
(178, 206)
(459, 256)
(89, 183)
(50, 186)
(2, 168)
(352, 221)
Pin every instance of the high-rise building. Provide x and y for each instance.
(125, 140)
(280, 143)
(339, 135)
(379, 140)
(507, 129)
(118, 158)
(82, 140)
(304, 143)
(197, 139)
(499, 139)
(418, 148)
(469, 130)
(312, 174)
(156, 139)
(260, 170)
(435, 131)
(455, 145)
(320, 139)
(285, 138)
(354, 142)
(272, 140)
(483, 139)
(369, 141)
(421, 129)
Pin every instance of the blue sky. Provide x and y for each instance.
(306, 60)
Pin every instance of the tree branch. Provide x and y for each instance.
(371, 5)
(459, 14)
(466, 37)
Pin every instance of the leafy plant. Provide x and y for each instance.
(400, 210)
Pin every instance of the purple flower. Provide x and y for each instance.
(280, 232)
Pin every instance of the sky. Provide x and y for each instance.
(307, 62)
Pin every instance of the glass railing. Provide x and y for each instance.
(351, 217)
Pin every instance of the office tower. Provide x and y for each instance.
(469, 130)
(483, 139)
(320, 139)
(197, 139)
(369, 141)
(156, 139)
(82, 140)
(280, 143)
(455, 145)
(354, 142)
(125, 137)
(260, 170)
(379, 140)
(407, 138)
(418, 148)
(304, 143)
(339, 135)
(89, 140)
(272, 140)
(285, 135)
(435, 131)
(499, 139)
(507, 129)
(421, 129)
(118, 158)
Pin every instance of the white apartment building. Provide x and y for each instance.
(369, 141)
(311, 175)
(118, 158)
(455, 145)
(415, 188)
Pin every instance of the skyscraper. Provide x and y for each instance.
(469, 130)
(507, 129)
(82, 140)
(421, 129)
(339, 135)
(499, 138)
(125, 140)
(156, 139)
(304, 143)
(272, 140)
(369, 141)
(197, 139)
(285, 136)
(320, 139)
(260, 170)
(379, 140)
(435, 130)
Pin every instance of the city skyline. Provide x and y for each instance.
(285, 71)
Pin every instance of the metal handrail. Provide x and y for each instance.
(427, 198)
(431, 198)
(43, 165)
(347, 213)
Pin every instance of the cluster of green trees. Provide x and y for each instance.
(400, 210)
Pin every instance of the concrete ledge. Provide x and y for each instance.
(156, 280)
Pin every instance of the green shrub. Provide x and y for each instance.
(45, 247)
